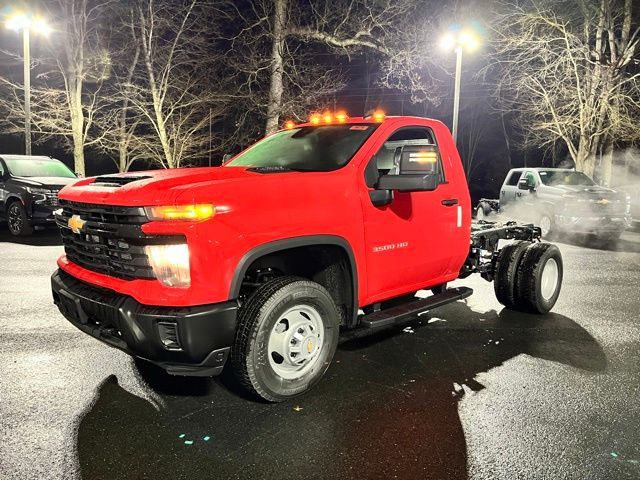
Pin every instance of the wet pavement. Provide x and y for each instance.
(472, 391)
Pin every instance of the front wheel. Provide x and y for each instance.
(17, 220)
(286, 338)
(547, 225)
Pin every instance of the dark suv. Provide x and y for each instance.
(29, 187)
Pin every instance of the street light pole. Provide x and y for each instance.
(24, 21)
(458, 40)
(456, 93)
(27, 91)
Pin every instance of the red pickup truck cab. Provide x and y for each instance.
(321, 229)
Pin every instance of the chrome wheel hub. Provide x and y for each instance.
(295, 341)
(549, 280)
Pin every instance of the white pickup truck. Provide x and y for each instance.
(560, 201)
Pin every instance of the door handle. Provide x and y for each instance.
(449, 202)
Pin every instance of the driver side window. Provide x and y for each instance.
(389, 159)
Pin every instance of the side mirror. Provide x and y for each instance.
(226, 157)
(524, 185)
(419, 167)
(409, 182)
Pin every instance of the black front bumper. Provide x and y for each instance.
(41, 214)
(204, 333)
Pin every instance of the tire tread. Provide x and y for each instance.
(506, 271)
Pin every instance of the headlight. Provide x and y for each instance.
(170, 264)
(40, 191)
(197, 212)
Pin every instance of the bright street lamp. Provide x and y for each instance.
(459, 40)
(26, 23)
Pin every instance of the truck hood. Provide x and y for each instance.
(156, 187)
(592, 193)
(585, 189)
(53, 183)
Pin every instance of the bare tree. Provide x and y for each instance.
(66, 96)
(165, 90)
(118, 123)
(169, 97)
(283, 40)
(566, 66)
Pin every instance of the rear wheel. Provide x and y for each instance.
(506, 270)
(17, 220)
(286, 338)
(539, 278)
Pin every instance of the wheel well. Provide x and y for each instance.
(9, 201)
(328, 265)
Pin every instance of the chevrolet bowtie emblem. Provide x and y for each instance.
(76, 224)
(603, 201)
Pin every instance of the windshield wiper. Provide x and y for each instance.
(272, 169)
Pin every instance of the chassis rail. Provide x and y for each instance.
(484, 247)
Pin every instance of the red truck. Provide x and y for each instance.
(321, 230)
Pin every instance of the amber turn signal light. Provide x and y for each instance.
(196, 212)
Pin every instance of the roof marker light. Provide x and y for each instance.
(314, 119)
(341, 117)
(327, 117)
(289, 124)
(378, 116)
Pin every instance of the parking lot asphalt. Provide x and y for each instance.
(473, 390)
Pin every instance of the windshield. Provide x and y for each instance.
(37, 167)
(564, 177)
(320, 149)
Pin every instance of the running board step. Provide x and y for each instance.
(401, 313)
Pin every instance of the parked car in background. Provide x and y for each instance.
(29, 187)
(561, 201)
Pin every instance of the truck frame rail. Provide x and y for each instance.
(484, 245)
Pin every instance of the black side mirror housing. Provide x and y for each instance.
(409, 182)
(380, 198)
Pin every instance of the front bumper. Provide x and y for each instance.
(592, 224)
(203, 335)
(42, 215)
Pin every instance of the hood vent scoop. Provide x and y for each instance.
(117, 180)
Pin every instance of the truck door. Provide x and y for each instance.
(406, 239)
(523, 194)
(510, 187)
